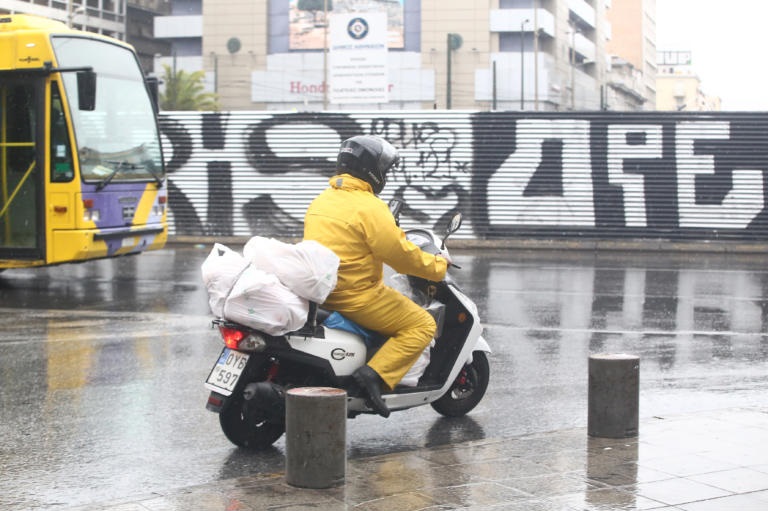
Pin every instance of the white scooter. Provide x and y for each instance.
(250, 377)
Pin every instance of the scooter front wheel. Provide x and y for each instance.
(468, 388)
(248, 430)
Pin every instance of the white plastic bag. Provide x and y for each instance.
(401, 283)
(259, 300)
(220, 271)
(411, 378)
(242, 293)
(307, 268)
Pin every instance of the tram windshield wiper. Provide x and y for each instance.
(149, 165)
(118, 166)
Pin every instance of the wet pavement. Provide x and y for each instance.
(102, 402)
(716, 461)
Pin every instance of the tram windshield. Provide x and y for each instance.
(118, 139)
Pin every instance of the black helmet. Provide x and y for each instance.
(368, 157)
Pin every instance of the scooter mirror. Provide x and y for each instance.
(86, 90)
(453, 226)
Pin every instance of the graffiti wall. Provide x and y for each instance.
(602, 175)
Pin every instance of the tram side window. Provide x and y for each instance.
(62, 170)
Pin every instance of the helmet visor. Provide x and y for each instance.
(389, 158)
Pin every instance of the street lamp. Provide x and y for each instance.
(522, 64)
(536, 55)
(325, 55)
(215, 59)
(453, 43)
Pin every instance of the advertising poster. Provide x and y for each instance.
(357, 71)
(307, 20)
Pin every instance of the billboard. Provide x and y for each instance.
(307, 20)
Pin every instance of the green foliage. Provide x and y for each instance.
(185, 91)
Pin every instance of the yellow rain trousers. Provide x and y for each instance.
(358, 226)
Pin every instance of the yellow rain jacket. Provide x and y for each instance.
(358, 226)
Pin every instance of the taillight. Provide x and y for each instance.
(242, 341)
(231, 336)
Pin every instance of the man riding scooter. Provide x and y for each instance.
(350, 219)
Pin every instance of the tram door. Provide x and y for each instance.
(21, 185)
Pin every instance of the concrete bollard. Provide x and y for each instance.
(614, 395)
(315, 437)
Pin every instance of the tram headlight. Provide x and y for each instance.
(91, 215)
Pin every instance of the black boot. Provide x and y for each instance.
(370, 382)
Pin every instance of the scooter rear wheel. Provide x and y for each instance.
(467, 390)
(247, 431)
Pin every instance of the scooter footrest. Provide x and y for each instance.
(403, 389)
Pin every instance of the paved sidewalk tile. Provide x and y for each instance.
(713, 461)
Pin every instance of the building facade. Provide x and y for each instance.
(632, 81)
(182, 29)
(139, 26)
(632, 46)
(131, 21)
(100, 16)
(679, 87)
(548, 55)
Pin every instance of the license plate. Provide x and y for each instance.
(226, 371)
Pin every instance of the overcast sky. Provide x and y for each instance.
(728, 45)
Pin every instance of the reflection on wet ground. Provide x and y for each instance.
(166, 281)
(701, 462)
(100, 378)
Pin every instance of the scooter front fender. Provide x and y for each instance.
(482, 345)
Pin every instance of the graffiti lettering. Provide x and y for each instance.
(427, 148)
(626, 145)
(741, 203)
(293, 155)
(507, 200)
(605, 175)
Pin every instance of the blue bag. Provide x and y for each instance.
(370, 338)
